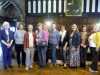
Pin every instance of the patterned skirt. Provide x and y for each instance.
(74, 57)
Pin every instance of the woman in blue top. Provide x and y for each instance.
(54, 39)
(19, 40)
(74, 44)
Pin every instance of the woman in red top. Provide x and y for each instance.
(29, 43)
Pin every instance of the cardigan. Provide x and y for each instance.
(26, 39)
(42, 37)
(65, 39)
(3, 36)
(75, 39)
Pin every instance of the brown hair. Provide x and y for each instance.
(20, 24)
(77, 30)
(91, 29)
(83, 27)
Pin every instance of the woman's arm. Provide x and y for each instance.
(66, 41)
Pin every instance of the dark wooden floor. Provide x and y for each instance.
(58, 70)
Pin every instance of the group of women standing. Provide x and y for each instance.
(73, 45)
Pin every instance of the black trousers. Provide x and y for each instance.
(83, 56)
(64, 55)
(94, 58)
(20, 51)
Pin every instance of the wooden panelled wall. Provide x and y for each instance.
(67, 21)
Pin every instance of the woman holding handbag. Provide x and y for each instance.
(42, 43)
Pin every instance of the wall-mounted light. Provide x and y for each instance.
(48, 22)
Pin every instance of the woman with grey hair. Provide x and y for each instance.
(6, 43)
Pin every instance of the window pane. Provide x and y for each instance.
(29, 6)
(60, 6)
(65, 5)
(87, 5)
(98, 5)
(49, 6)
(34, 6)
(93, 5)
(54, 6)
(44, 6)
(39, 6)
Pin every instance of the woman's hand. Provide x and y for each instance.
(57, 47)
(64, 48)
(8, 45)
(82, 45)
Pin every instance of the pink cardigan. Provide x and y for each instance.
(46, 36)
(43, 37)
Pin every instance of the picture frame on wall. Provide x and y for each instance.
(73, 7)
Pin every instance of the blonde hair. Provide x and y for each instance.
(5, 23)
(40, 24)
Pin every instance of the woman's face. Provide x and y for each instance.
(84, 29)
(40, 27)
(74, 27)
(62, 28)
(45, 27)
(7, 26)
(30, 28)
(94, 29)
(53, 26)
(21, 27)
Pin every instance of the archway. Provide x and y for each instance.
(10, 9)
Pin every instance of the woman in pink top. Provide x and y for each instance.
(42, 43)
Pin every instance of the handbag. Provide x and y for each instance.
(43, 43)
